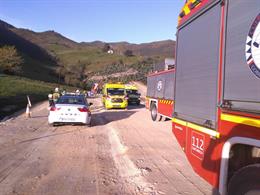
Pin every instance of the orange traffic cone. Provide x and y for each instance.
(28, 113)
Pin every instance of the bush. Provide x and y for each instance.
(128, 53)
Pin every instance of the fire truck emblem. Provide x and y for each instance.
(253, 47)
(159, 85)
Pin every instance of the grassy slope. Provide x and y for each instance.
(93, 58)
(37, 70)
(13, 91)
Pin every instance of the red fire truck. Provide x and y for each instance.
(160, 95)
(216, 92)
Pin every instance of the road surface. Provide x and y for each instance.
(123, 153)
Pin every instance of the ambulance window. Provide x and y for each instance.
(115, 91)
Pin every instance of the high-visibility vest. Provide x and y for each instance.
(55, 96)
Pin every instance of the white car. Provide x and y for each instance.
(72, 109)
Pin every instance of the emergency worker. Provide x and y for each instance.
(56, 95)
(50, 99)
(84, 93)
(77, 92)
(63, 92)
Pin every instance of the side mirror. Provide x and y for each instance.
(90, 103)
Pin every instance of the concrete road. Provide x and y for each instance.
(123, 153)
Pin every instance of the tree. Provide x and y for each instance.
(128, 53)
(10, 60)
(106, 47)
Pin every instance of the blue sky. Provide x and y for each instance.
(135, 21)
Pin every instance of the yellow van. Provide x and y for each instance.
(114, 95)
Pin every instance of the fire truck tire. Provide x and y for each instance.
(245, 181)
(154, 113)
(164, 118)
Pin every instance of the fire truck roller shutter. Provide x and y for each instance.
(197, 68)
(151, 86)
(169, 88)
(242, 85)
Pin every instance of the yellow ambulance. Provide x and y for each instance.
(114, 95)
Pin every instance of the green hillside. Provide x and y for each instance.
(13, 92)
(95, 59)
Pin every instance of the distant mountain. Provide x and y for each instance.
(159, 48)
(46, 39)
(53, 41)
(5, 24)
(98, 44)
(8, 36)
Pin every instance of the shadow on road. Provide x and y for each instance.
(45, 136)
(133, 107)
(103, 118)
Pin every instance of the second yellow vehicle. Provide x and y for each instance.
(114, 95)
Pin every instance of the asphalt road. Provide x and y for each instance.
(124, 152)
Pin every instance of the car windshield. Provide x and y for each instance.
(132, 91)
(71, 100)
(116, 91)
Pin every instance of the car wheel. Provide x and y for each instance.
(89, 125)
(246, 181)
(154, 113)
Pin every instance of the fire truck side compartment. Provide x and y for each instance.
(167, 90)
(241, 86)
(197, 68)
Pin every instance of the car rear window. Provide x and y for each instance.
(132, 91)
(71, 100)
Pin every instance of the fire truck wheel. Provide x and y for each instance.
(163, 118)
(246, 181)
(154, 113)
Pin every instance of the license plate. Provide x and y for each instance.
(117, 105)
(67, 119)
